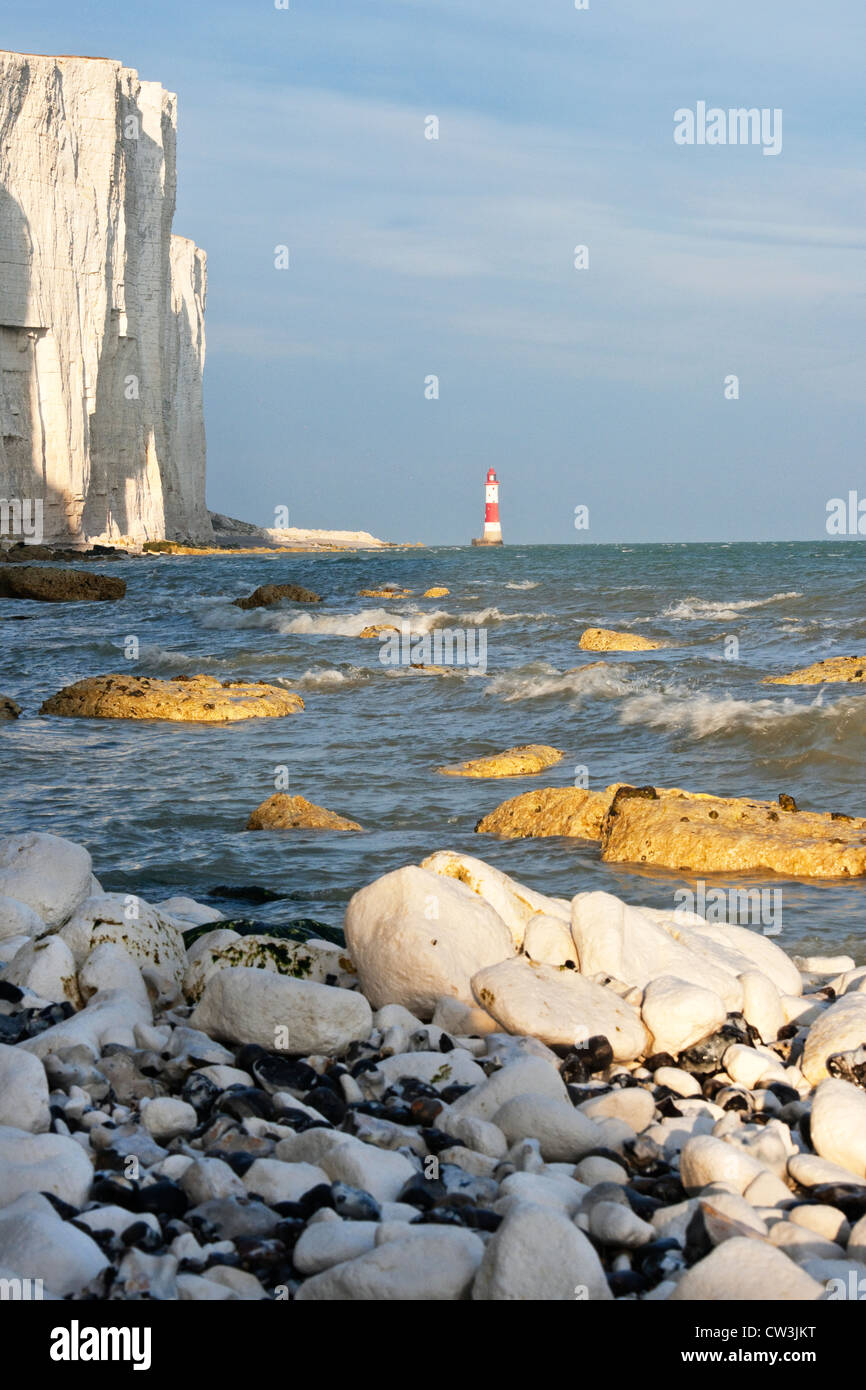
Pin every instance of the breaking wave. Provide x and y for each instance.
(597, 680)
(691, 609)
(704, 716)
(330, 678)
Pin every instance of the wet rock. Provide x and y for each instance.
(190, 699)
(268, 594)
(573, 811)
(55, 585)
(850, 669)
(520, 761)
(711, 834)
(602, 639)
(282, 812)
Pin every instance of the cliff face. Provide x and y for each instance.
(101, 307)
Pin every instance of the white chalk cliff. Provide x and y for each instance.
(101, 307)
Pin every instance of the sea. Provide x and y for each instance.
(162, 806)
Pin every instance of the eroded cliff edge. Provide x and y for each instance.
(101, 307)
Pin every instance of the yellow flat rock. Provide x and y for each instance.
(520, 761)
(189, 699)
(850, 669)
(603, 639)
(690, 831)
(282, 812)
(548, 811)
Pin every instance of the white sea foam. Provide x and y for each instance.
(523, 584)
(702, 716)
(330, 678)
(691, 609)
(597, 680)
(482, 616)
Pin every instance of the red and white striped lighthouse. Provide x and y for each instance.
(492, 529)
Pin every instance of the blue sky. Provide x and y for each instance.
(412, 257)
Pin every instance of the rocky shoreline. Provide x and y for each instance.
(486, 1093)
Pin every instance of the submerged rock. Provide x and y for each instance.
(548, 811)
(282, 812)
(190, 699)
(713, 834)
(519, 761)
(690, 830)
(604, 639)
(267, 594)
(851, 669)
(8, 708)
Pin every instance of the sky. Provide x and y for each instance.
(605, 387)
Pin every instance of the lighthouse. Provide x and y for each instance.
(492, 529)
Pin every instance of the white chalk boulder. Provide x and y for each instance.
(678, 1014)
(244, 1005)
(415, 936)
(49, 875)
(538, 1254)
(558, 1006)
(838, 1125)
(615, 939)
